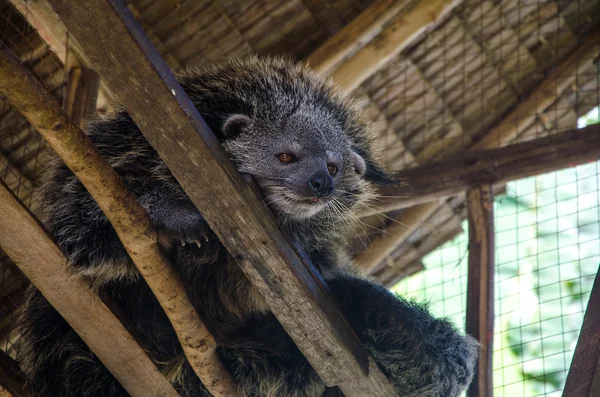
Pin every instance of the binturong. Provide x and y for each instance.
(313, 158)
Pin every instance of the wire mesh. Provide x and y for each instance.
(547, 255)
(22, 154)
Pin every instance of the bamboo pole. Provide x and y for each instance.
(129, 219)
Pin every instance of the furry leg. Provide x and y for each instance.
(422, 356)
(56, 361)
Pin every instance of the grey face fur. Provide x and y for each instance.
(322, 170)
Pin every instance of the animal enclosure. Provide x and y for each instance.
(441, 80)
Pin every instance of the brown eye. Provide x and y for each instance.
(332, 169)
(286, 158)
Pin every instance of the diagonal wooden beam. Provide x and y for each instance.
(296, 295)
(403, 227)
(356, 34)
(33, 250)
(397, 35)
(584, 375)
(12, 378)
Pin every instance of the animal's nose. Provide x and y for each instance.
(321, 184)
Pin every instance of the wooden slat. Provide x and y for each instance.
(396, 233)
(40, 16)
(81, 94)
(129, 219)
(356, 34)
(480, 287)
(297, 296)
(27, 243)
(397, 34)
(453, 176)
(584, 375)
(11, 376)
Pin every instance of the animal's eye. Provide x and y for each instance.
(332, 169)
(286, 158)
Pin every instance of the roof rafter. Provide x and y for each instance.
(397, 35)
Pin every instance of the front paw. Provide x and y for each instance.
(201, 238)
(184, 225)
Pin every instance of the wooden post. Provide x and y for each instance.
(480, 289)
(127, 216)
(584, 375)
(82, 94)
(27, 243)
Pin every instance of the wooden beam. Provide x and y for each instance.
(129, 219)
(398, 33)
(453, 176)
(396, 233)
(480, 287)
(296, 295)
(48, 25)
(356, 34)
(32, 249)
(11, 376)
(584, 375)
(82, 92)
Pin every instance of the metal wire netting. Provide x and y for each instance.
(547, 255)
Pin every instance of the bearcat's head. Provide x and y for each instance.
(292, 131)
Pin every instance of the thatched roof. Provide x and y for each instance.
(446, 88)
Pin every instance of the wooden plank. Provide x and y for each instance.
(297, 296)
(11, 377)
(81, 94)
(356, 34)
(48, 25)
(584, 375)
(480, 287)
(27, 243)
(398, 33)
(128, 218)
(493, 166)
(396, 233)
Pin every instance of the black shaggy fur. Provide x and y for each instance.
(257, 107)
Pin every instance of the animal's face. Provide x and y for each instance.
(305, 164)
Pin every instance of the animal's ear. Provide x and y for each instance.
(359, 163)
(235, 124)
(370, 170)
